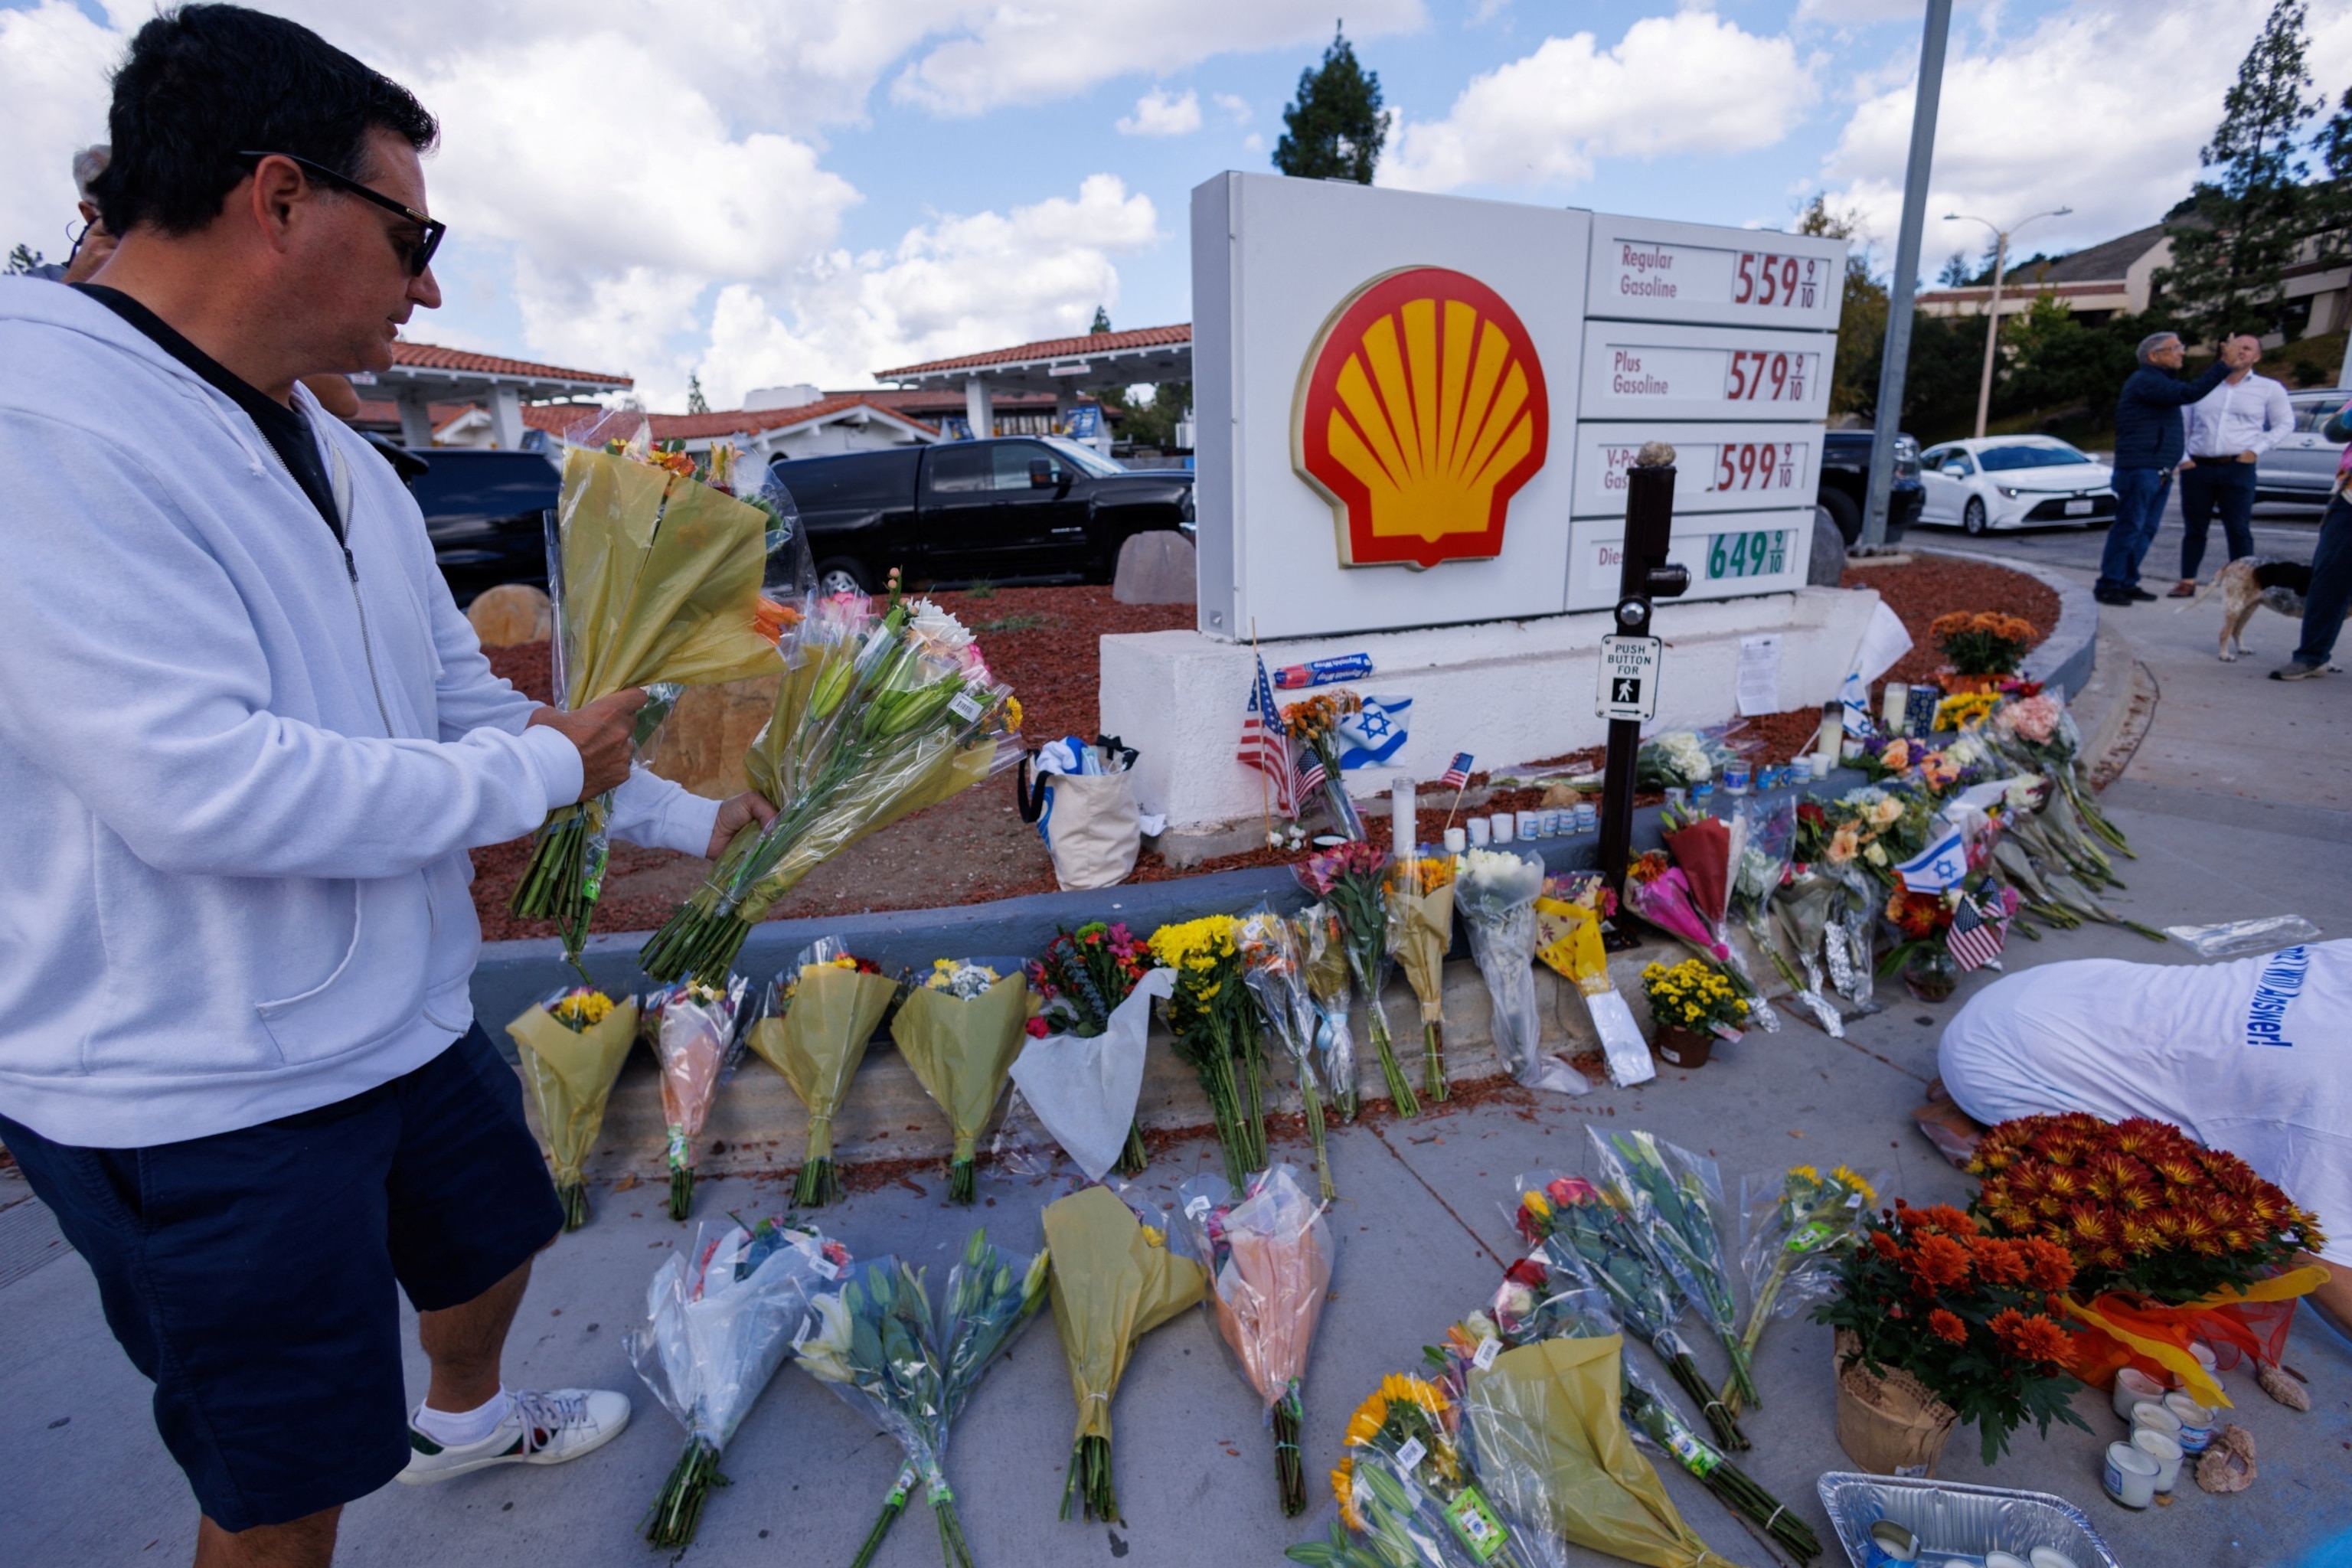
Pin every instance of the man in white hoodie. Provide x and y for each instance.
(245, 742)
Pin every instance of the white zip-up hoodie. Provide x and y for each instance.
(226, 893)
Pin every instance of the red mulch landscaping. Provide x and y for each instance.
(1043, 641)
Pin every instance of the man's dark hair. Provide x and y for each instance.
(202, 83)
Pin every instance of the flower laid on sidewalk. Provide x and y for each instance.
(1323, 958)
(1798, 1230)
(1081, 978)
(1421, 928)
(1976, 1320)
(821, 1014)
(1672, 1195)
(1347, 880)
(692, 1026)
(959, 1031)
(571, 1047)
(881, 712)
(1693, 995)
(1210, 1014)
(1274, 971)
(1404, 1484)
(655, 579)
(1270, 1256)
(1114, 1280)
(1657, 890)
(1497, 893)
(720, 1318)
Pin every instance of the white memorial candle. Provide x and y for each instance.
(1404, 831)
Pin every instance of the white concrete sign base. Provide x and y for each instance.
(1507, 691)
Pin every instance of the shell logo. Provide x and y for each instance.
(1421, 411)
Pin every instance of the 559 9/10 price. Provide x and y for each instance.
(1768, 376)
(1762, 279)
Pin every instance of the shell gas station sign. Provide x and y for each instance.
(1414, 410)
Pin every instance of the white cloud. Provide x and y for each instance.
(1160, 113)
(53, 67)
(950, 287)
(1686, 83)
(1236, 109)
(2100, 106)
(1048, 49)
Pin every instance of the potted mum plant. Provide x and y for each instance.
(1938, 1322)
(1982, 647)
(1692, 1003)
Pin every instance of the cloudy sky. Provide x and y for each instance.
(767, 191)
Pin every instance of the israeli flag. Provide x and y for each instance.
(1856, 697)
(1375, 733)
(1943, 865)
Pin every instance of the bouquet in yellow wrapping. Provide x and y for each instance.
(960, 1030)
(571, 1047)
(820, 1015)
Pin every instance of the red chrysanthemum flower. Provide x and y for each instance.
(1936, 1262)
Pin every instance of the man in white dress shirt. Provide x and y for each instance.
(2228, 430)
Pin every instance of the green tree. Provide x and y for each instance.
(695, 402)
(1102, 322)
(1957, 272)
(21, 260)
(1335, 128)
(1862, 312)
(1151, 424)
(2254, 212)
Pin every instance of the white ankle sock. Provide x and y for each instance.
(465, 1428)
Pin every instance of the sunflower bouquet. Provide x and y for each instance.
(820, 1015)
(1798, 1229)
(1405, 1486)
(1209, 1013)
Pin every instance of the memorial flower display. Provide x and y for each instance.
(1982, 642)
(1421, 928)
(959, 1031)
(1314, 725)
(1348, 882)
(1210, 1014)
(1275, 971)
(692, 1026)
(570, 1047)
(820, 1014)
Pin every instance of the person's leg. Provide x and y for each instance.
(2235, 502)
(465, 1344)
(2325, 602)
(307, 1543)
(2151, 520)
(2118, 559)
(2197, 487)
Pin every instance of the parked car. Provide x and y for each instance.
(1844, 488)
(1011, 510)
(2302, 467)
(485, 514)
(2015, 482)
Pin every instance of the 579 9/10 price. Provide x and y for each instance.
(1768, 376)
(1762, 279)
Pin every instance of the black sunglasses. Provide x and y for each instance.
(420, 253)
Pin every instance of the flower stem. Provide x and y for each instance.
(962, 1187)
(677, 1512)
(1399, 1091)
(894, 1503)
(574, 1196)
(1433, 1061)
(1315, 1134)
(681, 1192)
(1290, 1475)
(818, 1184)
(1135, 1159)
(1089, 1481)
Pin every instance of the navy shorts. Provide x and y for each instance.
(251, 1275)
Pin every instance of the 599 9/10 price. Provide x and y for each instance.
(1755, 465)
(1768, 376)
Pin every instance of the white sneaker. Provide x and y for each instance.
(540, 1427)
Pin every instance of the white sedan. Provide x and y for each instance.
(2015, 482)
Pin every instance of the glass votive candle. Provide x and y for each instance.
(1736, 777)
(2048, 1557)
(1481, 835)
(2153, 1416)
(2135, 1387)
(2130, 1476)
(2204, 1355)
(1819, 763)
(1588, 817)
(2195, 1422)
(1500, 827)
(2164, 1452)
(1456, 840)
(1530, 825)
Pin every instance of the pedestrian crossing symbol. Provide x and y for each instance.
(1629, 679)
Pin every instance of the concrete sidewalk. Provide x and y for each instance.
(1422, 1235)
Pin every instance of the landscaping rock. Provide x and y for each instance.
(1156, 568)
(511, 613)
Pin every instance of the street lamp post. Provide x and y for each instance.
(1993, 317)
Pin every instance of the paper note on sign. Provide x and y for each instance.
(1756, 686)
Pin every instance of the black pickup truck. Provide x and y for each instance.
(1845, 483)
(1017, 509)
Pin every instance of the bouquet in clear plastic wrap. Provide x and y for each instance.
(883, 710)
(1082, 1069)
(1405, 1485)
(720, 1318)
(1323, 963)
(692, 1026)
(1421, 928)
(1114, 1280)
(1659, 892)
(1580, 1232)
(1314, 727)
(1497, 893)
(818, 1017)
(1269, 1257)
(655, 574)
(1672, 1195)
(1275, 971)
(1348, 882)
(1209, 1011)
(571, 1047)
(1795, 1229)
(960, 1030)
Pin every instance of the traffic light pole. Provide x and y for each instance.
(1641, 574)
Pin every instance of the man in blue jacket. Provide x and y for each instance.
(2149, 448)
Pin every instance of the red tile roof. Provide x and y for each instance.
(1050, 349)
(560, 418)
(426, 356)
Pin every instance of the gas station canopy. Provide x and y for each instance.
(423, 375)
(1063, 366)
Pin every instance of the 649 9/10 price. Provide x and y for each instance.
(1757, 552)
(1755, 465)
(1762, 279)
(1768, 376)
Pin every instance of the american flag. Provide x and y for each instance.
(1310, 771)
(1458, 772)
(1265, 744)
(1978, 929)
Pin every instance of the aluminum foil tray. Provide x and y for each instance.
(1957, 1524)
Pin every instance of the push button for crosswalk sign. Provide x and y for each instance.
(1628, 678)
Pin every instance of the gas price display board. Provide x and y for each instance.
(1719, 342)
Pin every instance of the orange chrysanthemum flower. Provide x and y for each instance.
(1947, 1327)
(1936, 1262)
